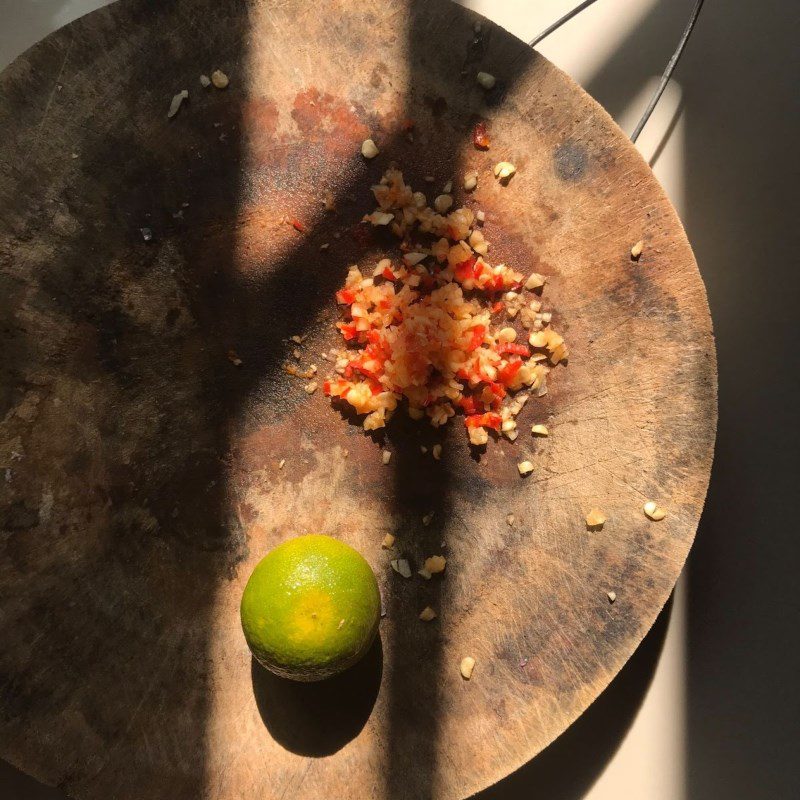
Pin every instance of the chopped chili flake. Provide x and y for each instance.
(498, 307)
(489, 420)
(497, 389)
(297, 225)
(348, 330)
(507, 373)
(465, 270)
(480, 138)
(468, 405)
(478, 332)
(516, 349)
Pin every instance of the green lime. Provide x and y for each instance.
(311, 608)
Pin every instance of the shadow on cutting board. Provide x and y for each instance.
(564, 771)
(567, 769)
(317, 719)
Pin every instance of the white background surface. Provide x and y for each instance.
(714, 712)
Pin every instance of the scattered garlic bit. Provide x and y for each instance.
(341, 623)
(369, 149)
(401, 567)
(310, 388)
(384, 263)
(504, 170)
(540, 430)
(298, 339)
(507, 335)
(435, 564)
(636, 250)
(296, 354)
(437, 451)
(510, 520)
(419, 200)
(553, 342)
(234, 358)
(324, 246)
(386, 456)
(470, 181)
(427, 614)
(525, 468)
(388, 541)
(486, 80)
(281, 463)
(478, 436)
(175, 105)
(447, 188)
(329, 202)
(424, 573)
(443, 203)
(535, 281)
(478, 243)
(595, 519)
(612, 596)
(412, 259)
(423, 449)
(205, 81)
(467, 665)
(379, 218)
(653, 511)
(429, 179)
(426, 520)
(291, 369)
(480, 216)
(219, 79)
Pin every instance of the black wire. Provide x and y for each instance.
(559, 22)
(667, 72)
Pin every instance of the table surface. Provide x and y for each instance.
(698, 712)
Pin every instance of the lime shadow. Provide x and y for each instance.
(318, 719)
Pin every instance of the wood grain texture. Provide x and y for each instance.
(142, 480)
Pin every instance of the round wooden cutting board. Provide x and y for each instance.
(141, 465)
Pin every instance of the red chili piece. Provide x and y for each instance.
(480, 138)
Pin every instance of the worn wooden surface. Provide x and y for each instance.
(141, 467)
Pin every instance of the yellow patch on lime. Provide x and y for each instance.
(311, 614)
(311, 608)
